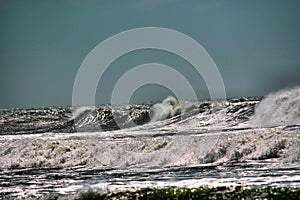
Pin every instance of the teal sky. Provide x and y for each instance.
(255, 44)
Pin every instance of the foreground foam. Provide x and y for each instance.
(144, 151)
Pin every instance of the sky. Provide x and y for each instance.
(254, 43)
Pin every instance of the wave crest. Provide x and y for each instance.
(280, 108)
(168, 108)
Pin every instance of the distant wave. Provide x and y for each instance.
(280, 108)
(106, 118)
(168, 108)
(79, 111)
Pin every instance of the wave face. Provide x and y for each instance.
(280, 108)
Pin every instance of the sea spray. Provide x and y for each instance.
(280, 108)
(168, 108)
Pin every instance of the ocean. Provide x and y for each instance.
(250, 142)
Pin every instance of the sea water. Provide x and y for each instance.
(249, 141)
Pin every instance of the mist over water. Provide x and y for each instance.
(279, 108)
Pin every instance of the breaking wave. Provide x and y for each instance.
(168, 108)
(171, 133)
(280, 108)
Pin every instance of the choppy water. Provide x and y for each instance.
(245, 141)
